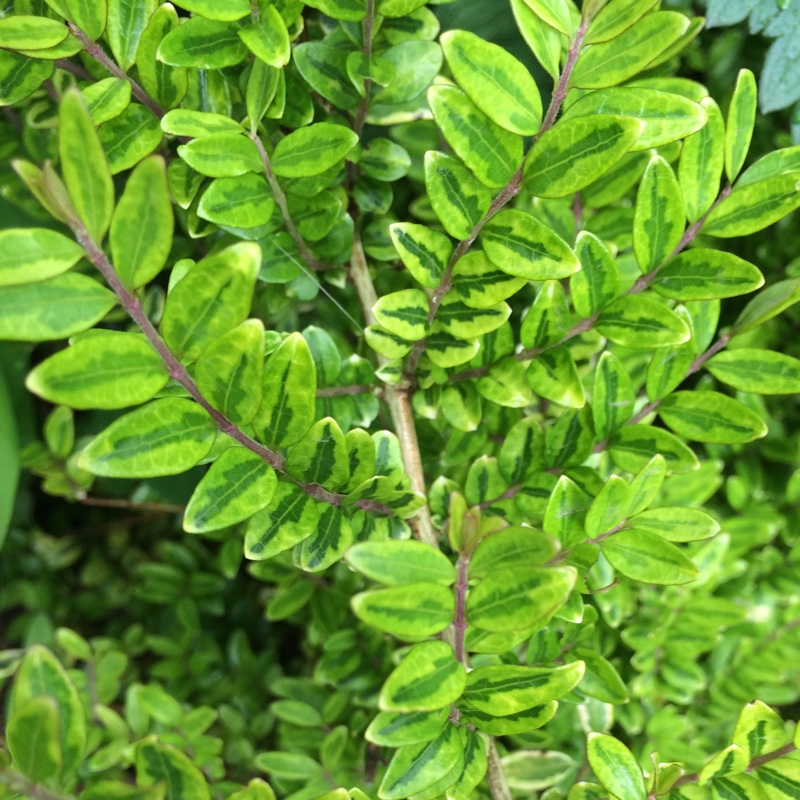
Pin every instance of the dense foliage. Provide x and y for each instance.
(398, 433)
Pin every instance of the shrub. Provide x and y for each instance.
(456, 372)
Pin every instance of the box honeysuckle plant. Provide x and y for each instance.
(455, 375)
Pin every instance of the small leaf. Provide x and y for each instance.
(638, 321)
(768, 304)
(633, 446)
(268, 39)
(613, 397)
(648, 558)
(676, 524)
(165, 84)
(328, 543)
(413, 610)
(758, 371)
(424, 252)
(126, 23)
(203, 44)
(740, 122)
(615, 18)
(390, 729)
(702, 162)
(29, 255)
(702, 274)
(129, 137)
(609, 508)
(397, 563)
(24, 32)
(33, 738)
(598, 281)
(221, 155)
(321, 456)
(615, 767)
(163, 763)
(403, 313)
(290, 517)
(165, 437)
(238, 484)
(711, 417)
(427, 679)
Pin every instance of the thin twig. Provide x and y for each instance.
(98, 54)
(129, 505)
(368, 24)
(338, 391)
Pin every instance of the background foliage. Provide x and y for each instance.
(458, 457)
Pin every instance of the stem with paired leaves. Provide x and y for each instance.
(507, 193)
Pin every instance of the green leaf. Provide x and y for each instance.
(676, 524)
(144, 205)
(40, 675)
(660, 218)
(633, 446)
(730, 761)
(571, 440)
(458, 198)
(321, 456)
(778, 162)
(711, 417)
(403, 313)
(20, 76)
(755, 206)
(415, 767)
(237, 485)
(89, 15)
(223, 10)
(510, 600)
(165, 437)
(511, 724)
(609, 508)
(33, 738)
(194, 124)
(312, 150)
(522, 246)
(125, 26)
(702, 162)
(463, 322)
(499, 85)
(203, 44)
(165, 84)
(576, 152)
(52, 309)
(548, 318)
(328, 543)
(543, 40)
(612, 396)
(291, 766)
(24, 32)
(163, 763)
(738, 786)
(212, 299)
(768, 304)
(414, 610)
(396, 563)
(601, 680)
(221, 155)
(268, 39)
(262, 86)
(503, 690)
(740, 122)
(615, 767)
(598, 281)
(475, 766)
(84, 166)
(129, 137)
(648, 558)
(229, 372)
(529, 771)
(522, 452)
(112, 370)
(424, 252)
(667, 117)
(28, 255)
(427, 679)
(515, 546)
(646, 484)
(614, 62)
(240, 202)
(702, 274)
(290, 387)
(480, 284)
(348, 10)
(758, 371)
(493, 154)
(290, 517)
(615, 18)
(780, 778)
(325, 69)
(390, 729)
(506, 384)
(639, 322)
(554, 375)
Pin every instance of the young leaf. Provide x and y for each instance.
(290, 517)
(741, 119)
(543, 40)
(113, 370)
(84, 166)
(676, 524)
(165, 437)
(576, 152)
(268, 39)
(238, 484)
(89, 15)
(290, 386)
(499, 85)
(229, 372)
(165, 84)
(609, 508)
(312, 150)
(126, 23)
(615, 767)
(475, 766)
(212, 299)
(221, 155)
(427, 679)
(702, 162)
(660, 217)
(615, 18)
(144, 205)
